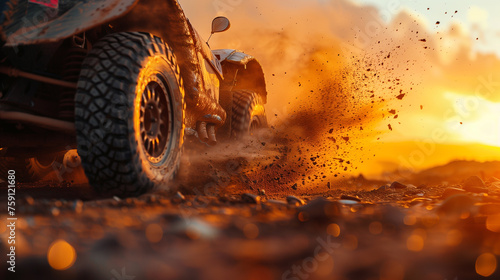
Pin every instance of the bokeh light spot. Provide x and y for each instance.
(333, 230)
(154, 233)
(486, 264)
(493, 223)
(410, 220)
(415, 243)
(61, 255)
(454, 237)
(303, 217)
(375, 228)
(251, 231)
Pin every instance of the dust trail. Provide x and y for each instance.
(341, 75)
(325, 94)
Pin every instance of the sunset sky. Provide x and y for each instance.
(483, 31)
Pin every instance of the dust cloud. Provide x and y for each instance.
(341, 76)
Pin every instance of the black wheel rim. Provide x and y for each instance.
(155, 120)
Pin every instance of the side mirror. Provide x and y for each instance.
(220, 24)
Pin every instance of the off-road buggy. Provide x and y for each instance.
(121, 81)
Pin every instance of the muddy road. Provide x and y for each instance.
(237, 212)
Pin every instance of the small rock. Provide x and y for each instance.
(131, 201)
(251, 198)
(420, 201)
(348, 202)
(474, 184)
(476, 189)
(452, 191)
(195, 229)
(473, 181)
(398, 185)
(201, 201)
(78, 206)
(349, 197)
(495, 185)
(117, 198)
(262, 192)
(178, 197)
(55, 211)
(295, 186)
(329, 185)
(277, 202)
(295, 201)
(30, 200)
(152, 198)
(384, 188)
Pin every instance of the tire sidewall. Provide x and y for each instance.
(155, 65)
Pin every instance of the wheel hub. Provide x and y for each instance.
(155, 119)
(152, 120)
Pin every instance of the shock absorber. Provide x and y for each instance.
(71, 71)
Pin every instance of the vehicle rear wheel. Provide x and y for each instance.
(129, 114)
(40, 166)
(248, 113)
(30, 169)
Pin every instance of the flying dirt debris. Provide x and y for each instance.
(124, 90)
(123, 87)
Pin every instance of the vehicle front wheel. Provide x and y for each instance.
(129, 114)
(248, 113)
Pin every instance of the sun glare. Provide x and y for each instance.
(475, 119)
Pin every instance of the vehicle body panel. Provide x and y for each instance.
(233, 56)
(242, 71)
(200, 70)
(31, 23)
(168, 21)
(25, 25)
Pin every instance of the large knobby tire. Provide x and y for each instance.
(248, 113)
(31, 169)
(40, 166)
(129, 114)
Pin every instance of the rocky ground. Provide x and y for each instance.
(223, 223)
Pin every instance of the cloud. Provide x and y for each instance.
(478, 16)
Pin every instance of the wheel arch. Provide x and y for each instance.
(241, 71)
